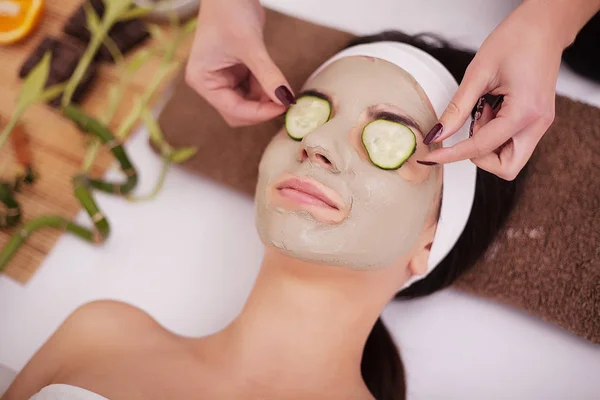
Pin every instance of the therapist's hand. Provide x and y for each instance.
(230, 67)
(519, 60)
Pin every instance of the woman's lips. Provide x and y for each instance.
(306, 192)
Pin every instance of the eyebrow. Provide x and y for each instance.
(393, 117)
(373, 112)
(315, 93)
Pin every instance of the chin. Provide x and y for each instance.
(300, 236)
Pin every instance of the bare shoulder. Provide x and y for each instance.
(107, 318)
(94, 329)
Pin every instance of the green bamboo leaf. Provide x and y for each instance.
(165, 69)
(113, 49)
(190, 26)
(154, 130)
(183, 154)
(34, 83)
(130, 120)
(53, 91)
(92, 19)
(138, 61)
(114, 98)
(135, 12)
(156, 32)
(115, 8)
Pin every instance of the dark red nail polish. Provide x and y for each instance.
(285, 96)
(429, 163)
(434, 133)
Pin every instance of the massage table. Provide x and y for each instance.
(171, 257)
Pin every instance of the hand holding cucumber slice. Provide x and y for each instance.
(306, 115)
(388, 144)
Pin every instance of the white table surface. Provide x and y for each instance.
(170, 257)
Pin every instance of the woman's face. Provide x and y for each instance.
(323, 200)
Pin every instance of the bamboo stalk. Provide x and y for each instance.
(12, 215)
(30, 227)
(159, 184)
(22, 149)
(101, 135)
(83, 194)
(81, 185)
(91, 125)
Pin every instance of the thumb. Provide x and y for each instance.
(268, 75)
(473, 86)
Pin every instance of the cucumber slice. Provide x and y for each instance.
(306, 115)
(388, 144)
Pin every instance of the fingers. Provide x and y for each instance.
(512, 118)
(484, 114)
(512, 156)
(238, 111)
(489, 138)
(236, 94)
(473, 86)
(268, 75)
(251, 90)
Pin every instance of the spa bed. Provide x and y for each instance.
(171, 258)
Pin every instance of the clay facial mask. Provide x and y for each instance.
(321, 198)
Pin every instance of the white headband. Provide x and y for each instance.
(459, 177)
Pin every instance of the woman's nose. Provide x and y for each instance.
(318, 156)
(321, 150)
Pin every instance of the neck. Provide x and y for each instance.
(303, 329)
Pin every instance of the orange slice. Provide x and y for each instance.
(18, 18)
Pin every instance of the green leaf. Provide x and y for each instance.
(135, 12)
(190, 26)
(156, 32)
(115, 8)
(165, 69)
(92, 19)
(113, 49)
(183, 154)
(131, 119)
(53, 91)
(156, 134)
(138, 61)
(114, 98)
(34, 83)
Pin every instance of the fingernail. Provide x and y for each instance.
(285, 96)
(426, 163)
(434, 133)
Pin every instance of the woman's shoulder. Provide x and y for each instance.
(109, 322)
(98, 330)
(110, 313)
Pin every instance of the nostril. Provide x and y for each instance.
(323, 159)
(304, 156)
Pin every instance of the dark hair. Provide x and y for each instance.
(582, 56)
(381, 366)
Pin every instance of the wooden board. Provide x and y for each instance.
(58, 147)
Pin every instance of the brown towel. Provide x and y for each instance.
(546, 261)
